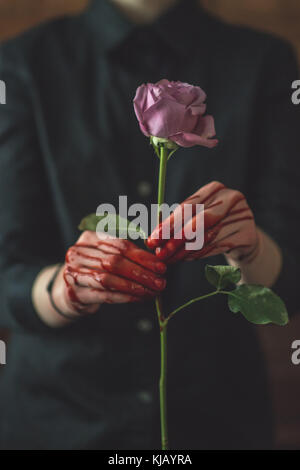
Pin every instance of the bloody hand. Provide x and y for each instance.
(229, 227)
(106, 269)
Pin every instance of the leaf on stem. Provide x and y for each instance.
(258, 304)
(222, 277)
(112, 224)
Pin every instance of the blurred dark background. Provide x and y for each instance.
(278, 16)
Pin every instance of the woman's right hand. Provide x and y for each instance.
(102, 269)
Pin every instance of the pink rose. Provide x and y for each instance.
(174, 111)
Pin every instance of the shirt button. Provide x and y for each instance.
(145, 397)
(144, 325)
(144, 188)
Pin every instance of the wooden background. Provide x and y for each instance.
(281, 17)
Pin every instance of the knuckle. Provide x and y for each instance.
(108, 298)
(87, 237)
(115, 260)
(214, 185)
(237, 194)
(66, 271)
(70, 255)
(127, 244)
(104, 280)
(83, 237)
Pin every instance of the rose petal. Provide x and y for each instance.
(167, 117)
(144, 129)
(198, 110)
(185, 95)
(154, 94)
(139, 101)
(201, 95)
(190, 140)
(205, 127)
(189, 95)
(163, 83)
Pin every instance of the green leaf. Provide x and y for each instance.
(222, 276)
(90, 222)
(258, 304)
(112, 224)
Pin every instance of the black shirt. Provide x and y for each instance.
(69, 141)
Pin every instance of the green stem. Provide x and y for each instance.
(192, 301)
(160, 314)
(162, 179)
(196, 300)
(163, 376)
(162, 319)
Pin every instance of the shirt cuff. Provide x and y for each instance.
(17, 307)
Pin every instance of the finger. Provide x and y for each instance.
(165, 230)
(192, 232)
(102, 280)
(174, 223)
(108, 243)
(90, 239)
(235, 231)
(116, 283)
(187, 255)
(111, 245)
(120, 266)
(87, 300)
(145, 259)
(133, 253)
(80, 258)
(83, 256)
(222, 212)
(93, 296)
(226, 238)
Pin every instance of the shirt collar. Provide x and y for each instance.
(178, 26)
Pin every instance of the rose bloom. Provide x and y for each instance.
(174, 111)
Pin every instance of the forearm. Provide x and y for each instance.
(265, 268)
(41, 298)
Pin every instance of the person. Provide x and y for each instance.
(83, 363)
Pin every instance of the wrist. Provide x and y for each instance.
(241, 256)
(41, 299)
(58, 296)
(264, 265)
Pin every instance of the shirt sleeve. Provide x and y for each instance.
(273, 182)
(27, 224)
